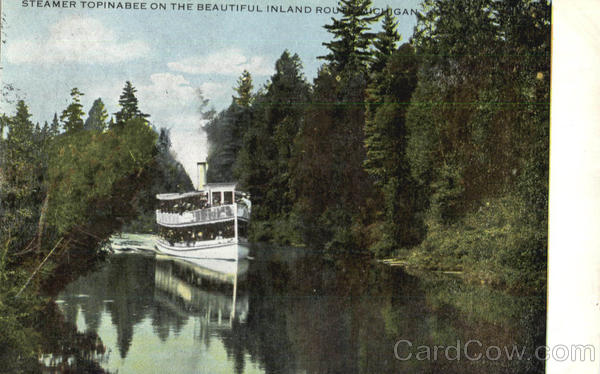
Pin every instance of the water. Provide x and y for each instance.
(295, 311)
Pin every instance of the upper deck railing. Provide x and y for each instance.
(206, 215)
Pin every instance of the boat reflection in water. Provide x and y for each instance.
(209, 289)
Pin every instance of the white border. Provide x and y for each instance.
(574, 250)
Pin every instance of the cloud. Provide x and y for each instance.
(170, 100)
(213, 90)
(167, 91)
(224, 62)
(77, 39)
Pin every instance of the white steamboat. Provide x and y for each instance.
(207, 224)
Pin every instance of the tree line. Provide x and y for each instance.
(435, 150)
(65, 187)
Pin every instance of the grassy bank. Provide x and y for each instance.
(498, 244)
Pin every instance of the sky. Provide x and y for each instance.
(170, 55)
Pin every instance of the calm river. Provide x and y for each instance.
(297, 311)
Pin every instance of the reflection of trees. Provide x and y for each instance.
(342, 316)
(69, 351)
(128, 282)
(92, 313)
(310, 314)
(264, 335)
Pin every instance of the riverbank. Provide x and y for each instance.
(500, 245)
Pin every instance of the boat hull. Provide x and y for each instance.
(230, 250)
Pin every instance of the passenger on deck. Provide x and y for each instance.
(246, 200)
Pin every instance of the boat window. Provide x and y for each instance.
(228, 197)
(183, 204)
(216, 198)
(189, 235)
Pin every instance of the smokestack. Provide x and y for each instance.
(202, 167)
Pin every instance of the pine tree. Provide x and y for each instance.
(351, 38)
(226, 131)
(129, 106)
(20, 132)
(20, 173)
(72, 117)
(46, 129)
(385, 42)
(288, 95)
(16, 176)
(262, 165)
(385, 142)
(479, 126)
(97, 117)
(244, 90)
(54, 126)
(330, 185)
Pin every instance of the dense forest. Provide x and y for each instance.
(434, 151)
(65, 186)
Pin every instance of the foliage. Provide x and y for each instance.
(478, 132)
(244, 90)
(166, 174)
(22, 171)
(129, 106)
(97, 117)
(352, 38)
(500, 244)
(19, 341)
(386, 161)
(226, 131)
(262, 166)
(385, 42)
(72, 116)
(397, 146)
(86, 166)
(74, 187)
(327, 178)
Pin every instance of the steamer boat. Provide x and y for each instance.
(207, 224)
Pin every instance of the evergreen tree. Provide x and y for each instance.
(351, 38)
(97, 117)
(221, 151)
(19, 141)
(385, 42)
(262, 165)
(129, 106)
(72, 116)
(330, 152)
(329, 184)
(45, 129)
(479, 126)
(226, 132)
(385, 142)
(244, 90)
(20, 179)
(288, 95)
(54, 126)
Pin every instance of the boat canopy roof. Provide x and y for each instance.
(208, 187)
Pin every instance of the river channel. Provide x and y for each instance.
(299, 311)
